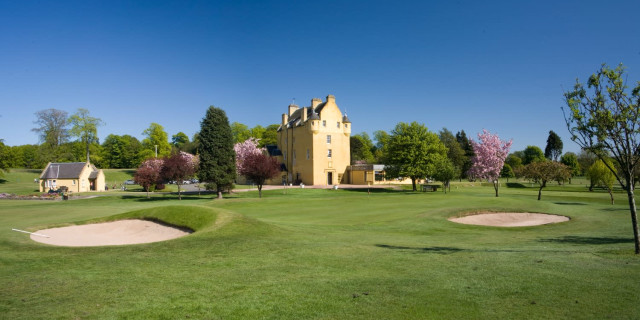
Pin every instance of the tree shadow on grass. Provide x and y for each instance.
(438, 250)
(516, 185)
(161, 198)
(615, 209)
(374, 190)
(571, 203)
(588, 240)
(3, 181)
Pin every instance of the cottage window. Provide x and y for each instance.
(338, 124)
(308, 154)
(324, 123)
(329, 154)
(328, 139)
(73, 182)
(294, 155)
(346, 125)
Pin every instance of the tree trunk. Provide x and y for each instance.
(610, 194)
(259, 191)
(496, 186)
(413, 182)
(634, 216)
(179, 194)
(219, 194)
(540, 191)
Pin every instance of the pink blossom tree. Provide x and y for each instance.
(259, 167)
(180, 167)
(244, 150)
(149, 174)
(254, 164)
(490, 154)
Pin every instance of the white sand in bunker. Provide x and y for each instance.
(510, 219)
(109, 234)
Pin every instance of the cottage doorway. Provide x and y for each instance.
(330, 178)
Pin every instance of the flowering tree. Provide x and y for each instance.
(148, 174)
(244, 150)
(180, 167)
(489, 159)
(259, 167)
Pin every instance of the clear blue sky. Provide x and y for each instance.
(466, 65)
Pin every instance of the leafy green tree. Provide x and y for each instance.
(361, 146)
(270, 136)
(445, 172)
(122, 152)
(85, 127)
(455, 153)
(179, 140)
(240, 132)
(217, 157)
(5, 153)
(532, 154)
(570, 160)
(156, 136)
(600, 175)
(466, 145)
(514, 161)
(382, 140)
(413, 151)
(586, 159)
(604, 118)
(553, 150)
(257, 132)
(544, 171)
(507, 172)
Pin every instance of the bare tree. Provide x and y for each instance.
(52, 127)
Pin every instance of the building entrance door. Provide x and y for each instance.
(330, 178)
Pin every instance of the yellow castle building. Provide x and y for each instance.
(314, 143)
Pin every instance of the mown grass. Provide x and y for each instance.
(328, 254)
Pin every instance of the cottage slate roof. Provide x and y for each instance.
(67, 170)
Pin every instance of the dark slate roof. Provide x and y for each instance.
(273, 150)
(68, 170)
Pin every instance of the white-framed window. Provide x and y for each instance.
(328, 139)
(308, 154)
(338, 124)
(329, 153)
(324, 123)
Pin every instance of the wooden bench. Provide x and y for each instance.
(430, 187)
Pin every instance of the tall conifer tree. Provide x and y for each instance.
(217, 158)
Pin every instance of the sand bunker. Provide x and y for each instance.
(510, 219)
(109, 234)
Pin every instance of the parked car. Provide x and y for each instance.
(129, 182)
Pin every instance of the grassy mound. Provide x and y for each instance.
(193, 218)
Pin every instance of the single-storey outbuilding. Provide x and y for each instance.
(77, 176)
